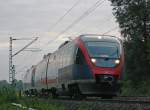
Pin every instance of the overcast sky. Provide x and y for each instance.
(37, 18)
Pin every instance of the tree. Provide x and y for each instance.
(133, 17)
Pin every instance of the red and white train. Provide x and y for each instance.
(90, 65)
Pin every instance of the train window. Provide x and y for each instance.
(80, 59)
(104, 54)
(102, 49)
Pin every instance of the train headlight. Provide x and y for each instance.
(99, 37)
(93, 60)
(117, 61)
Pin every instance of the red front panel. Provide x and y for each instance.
(115, 71)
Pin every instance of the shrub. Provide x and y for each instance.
(141, 88)
(7, 95)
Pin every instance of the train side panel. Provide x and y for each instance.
(28, 80)
(40, 75)
(52, 73)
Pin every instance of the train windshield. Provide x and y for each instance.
(104, 53)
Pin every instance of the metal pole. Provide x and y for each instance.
(10, 61)
(13, 76)
(13, 72)
(11, 66)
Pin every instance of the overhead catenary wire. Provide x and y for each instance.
(85, 14)
(62, 17)
(112, 29)
(101, 24)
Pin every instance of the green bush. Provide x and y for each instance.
(7, 95)
(141, 88)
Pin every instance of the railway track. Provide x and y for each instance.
(118, 103)
(96, 103)
(125, 100)
(121, 99)
(131, 99)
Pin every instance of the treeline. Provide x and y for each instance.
(133, 17)
(4, 84)
(17, 85)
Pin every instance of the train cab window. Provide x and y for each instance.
(80, 59)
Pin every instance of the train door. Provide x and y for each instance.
(81, 69)
(80, 59)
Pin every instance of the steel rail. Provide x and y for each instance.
(136, 100)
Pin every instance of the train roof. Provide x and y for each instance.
(96, 37)
(64, 43)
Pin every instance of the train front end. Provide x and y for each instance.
(105, 57)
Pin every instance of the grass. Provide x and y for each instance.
(8, 106)
(41, 104)
(8, 96)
